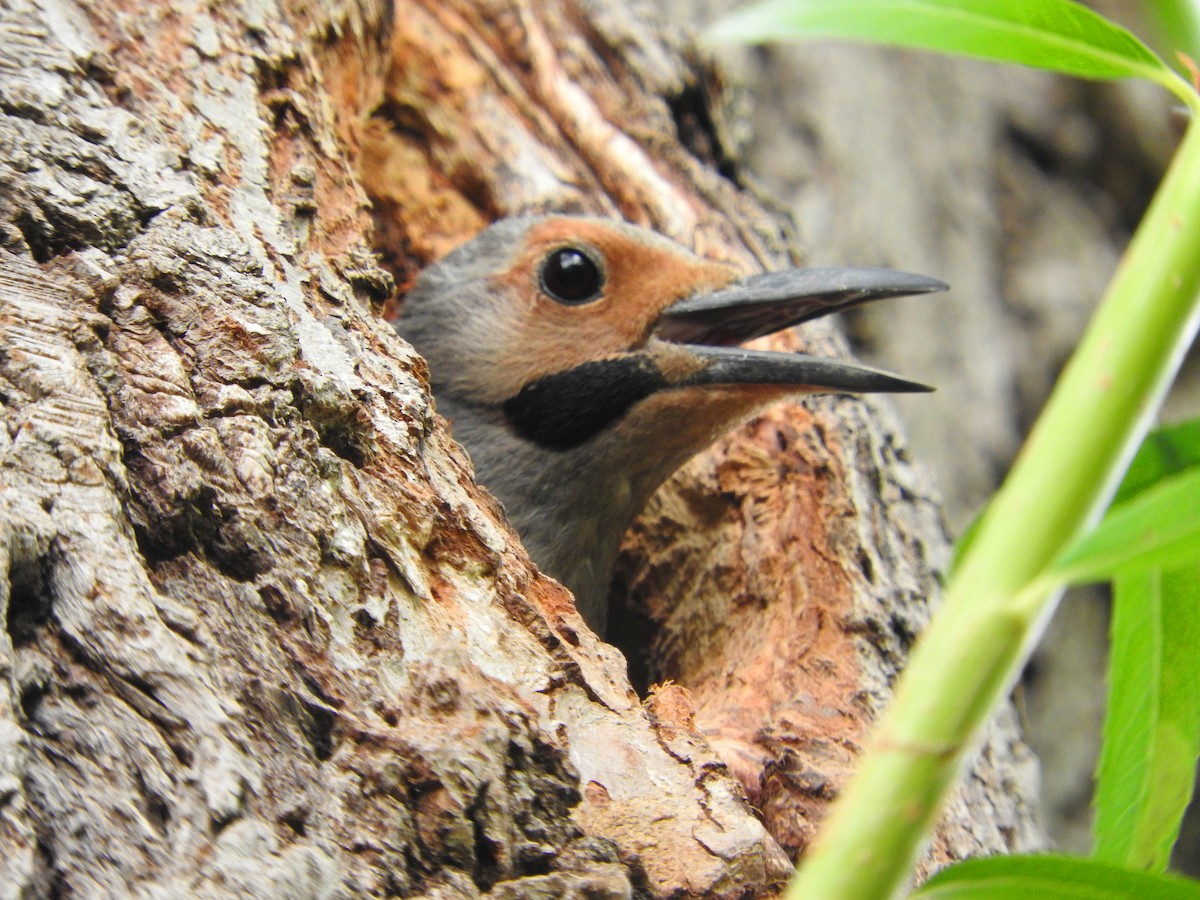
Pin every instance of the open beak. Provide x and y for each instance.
(762, 304)
(689, 348)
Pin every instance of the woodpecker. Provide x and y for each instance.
(581, 361)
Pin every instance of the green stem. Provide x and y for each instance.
(999, 595)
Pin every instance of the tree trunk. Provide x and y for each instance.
(264, 636)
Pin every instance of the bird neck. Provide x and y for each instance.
(571, 507)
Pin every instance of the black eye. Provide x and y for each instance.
(570, 276)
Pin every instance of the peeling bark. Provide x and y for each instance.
(264, 635)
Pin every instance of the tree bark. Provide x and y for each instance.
(264, 636)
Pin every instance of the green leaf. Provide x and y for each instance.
(1165, 451)
(1178, 23)
(1059, 35)
(1152, 727)
(1158, 529)
(967, 538)
(1050, 878)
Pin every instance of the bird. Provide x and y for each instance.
(581, 361)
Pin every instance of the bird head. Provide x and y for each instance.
(583, 360)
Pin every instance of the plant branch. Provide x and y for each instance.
(1004, 589)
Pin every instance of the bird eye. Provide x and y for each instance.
(571, 276)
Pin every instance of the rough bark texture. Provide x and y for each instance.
(786, 574)
(264, 637)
